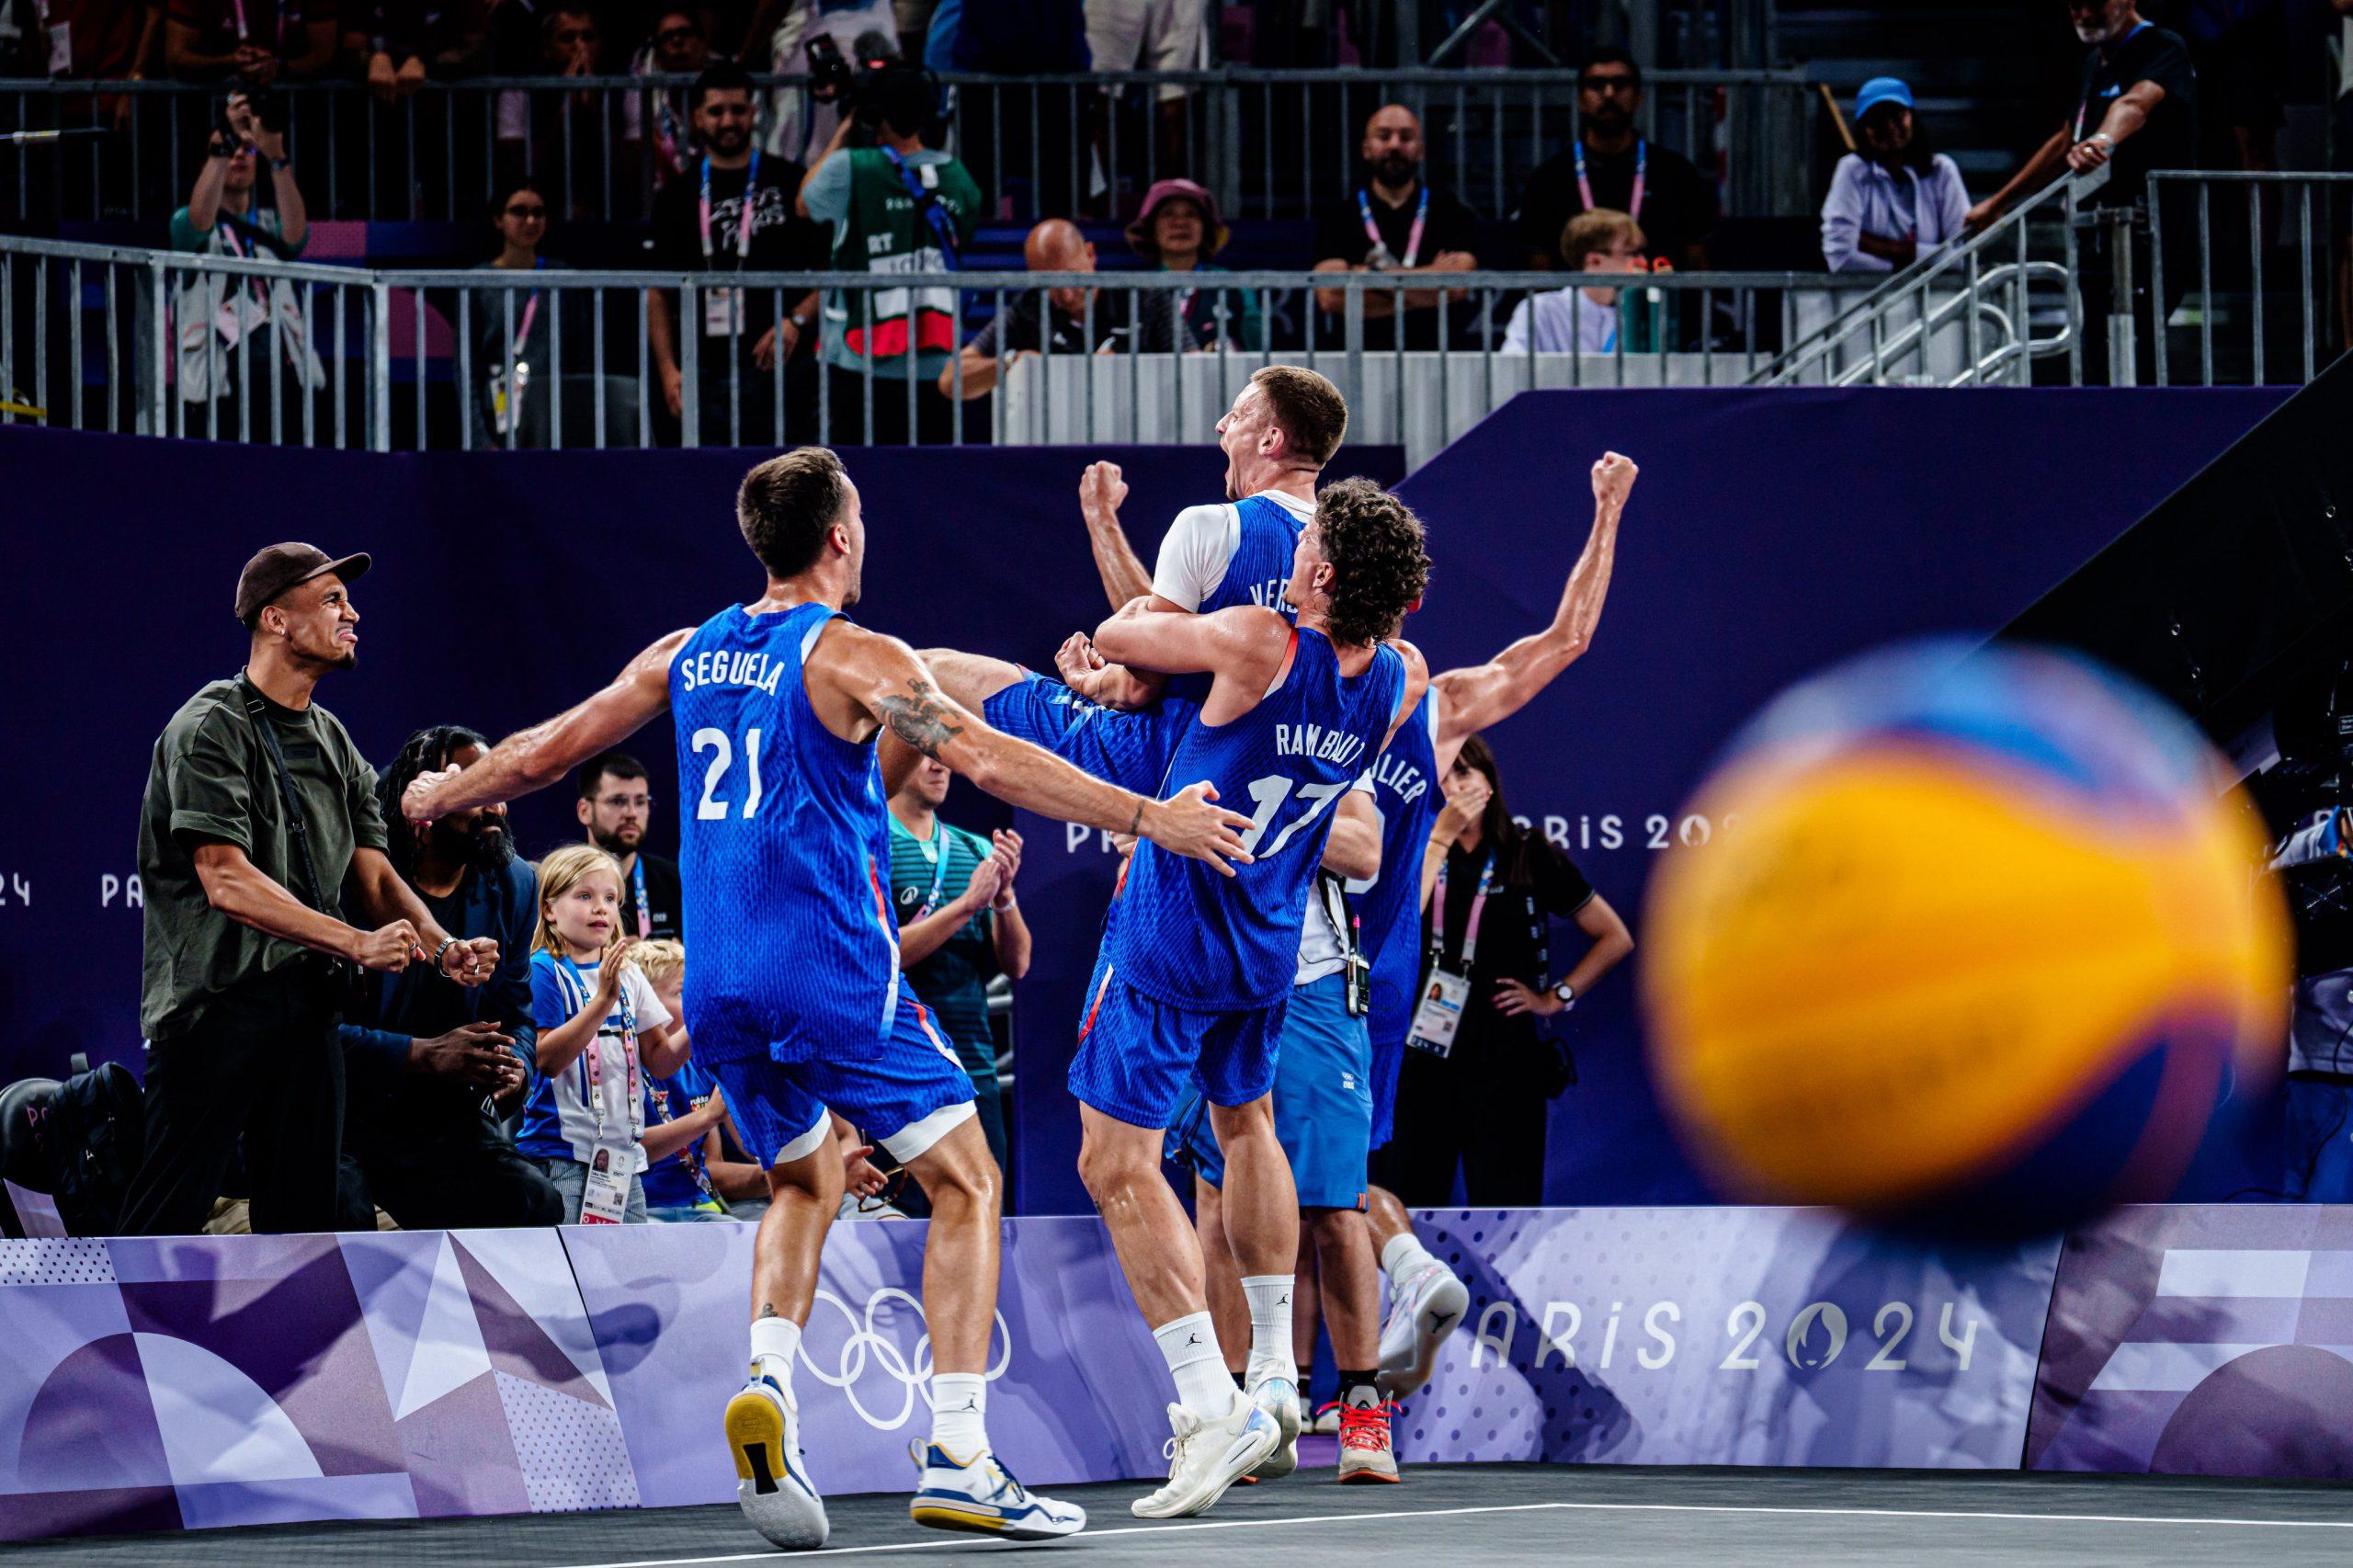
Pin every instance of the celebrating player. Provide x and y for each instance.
(795, 1001)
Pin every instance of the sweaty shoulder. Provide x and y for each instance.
(1194, 554)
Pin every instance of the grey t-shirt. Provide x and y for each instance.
(213, 781)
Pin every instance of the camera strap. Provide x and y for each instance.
(927, 200)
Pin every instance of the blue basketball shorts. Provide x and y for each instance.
(1322, 1101)
(1130, 750)
(906, 1096)
(1392, 1020)
(1138, 1059)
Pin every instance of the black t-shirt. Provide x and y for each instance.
(1016, 327)
(2169, 140)
(1340, 235)
(1678, 201)
(663, 902)
(782, 241)
(1513, 929)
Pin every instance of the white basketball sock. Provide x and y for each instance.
(776, 1345)
(1270, 1348)
(1203, 1385)
(959, 1409)
(1403, 1257)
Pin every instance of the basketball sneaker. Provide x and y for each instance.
(1327, 1419)
(981, 1495)
(1206, 1456)
(1365, 1454)
(1423, 1309)
(772, 1479)
(1279, 1397)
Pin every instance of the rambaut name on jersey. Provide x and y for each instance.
(722, 667)
(1315, 741)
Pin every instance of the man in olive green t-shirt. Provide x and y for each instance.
(242, 899)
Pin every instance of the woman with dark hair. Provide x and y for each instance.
(1896, 200)
(1478, 1078)
(514, 332)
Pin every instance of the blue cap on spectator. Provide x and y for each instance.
(1881, 90)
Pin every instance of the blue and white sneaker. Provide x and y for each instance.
(1279, 1397)
(1205, 1457)
(772, 1479)
(981, 1495)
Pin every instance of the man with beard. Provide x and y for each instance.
(1610, 166)
(260, 817)
(616, 804)
(1395, 223)
(428, 1063)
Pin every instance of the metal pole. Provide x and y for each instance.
(2255, 269)
(381, 357)
(2157, 279)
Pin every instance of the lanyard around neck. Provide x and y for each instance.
(743, 219)
(1642, 166)
(593, 1084)
(1413, 235)
(1470, 927)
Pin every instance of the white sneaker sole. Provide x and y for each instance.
(1285, 1458)
(779, 1502)
(1440, 1315)
(947, 1511)
(1247, 1453)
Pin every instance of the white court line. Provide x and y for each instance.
(1535, 1508)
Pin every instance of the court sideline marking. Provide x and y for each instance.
(963, 1540)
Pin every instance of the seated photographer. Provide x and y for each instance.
(896, 207)
(431, 1066)
(257, 42)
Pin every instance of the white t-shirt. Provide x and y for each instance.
(1201, 542)
(568, 1090)
(1318, 945)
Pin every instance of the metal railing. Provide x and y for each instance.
(126, 339)
(1273, 144)
(2266, 273)
(1960, 317)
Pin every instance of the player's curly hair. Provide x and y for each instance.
(1380, 564)
(427, 751)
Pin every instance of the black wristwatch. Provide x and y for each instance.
(1566, 994)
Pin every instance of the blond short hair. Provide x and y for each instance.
(562, 870)
(1308, 409)
(660, 959)
(1589, 233)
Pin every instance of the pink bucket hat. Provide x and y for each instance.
(1140, 232)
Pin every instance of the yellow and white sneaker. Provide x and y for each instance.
(772, 1481)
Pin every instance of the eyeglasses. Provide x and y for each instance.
(625, 803)
(527, 212)
(676, 35)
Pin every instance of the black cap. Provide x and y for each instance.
(278, 568)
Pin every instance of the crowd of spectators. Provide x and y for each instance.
(355, 1020)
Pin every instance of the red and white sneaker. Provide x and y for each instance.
(1365, 1454)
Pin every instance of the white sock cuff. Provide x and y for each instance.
(1192, 1337)
(776, 1336)
(1402, 1253)
(959, 1391)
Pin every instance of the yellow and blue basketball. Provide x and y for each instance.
(1982, 939)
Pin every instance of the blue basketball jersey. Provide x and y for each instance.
(1184, 934)
(1405, 794)
(1265, 538)
(784, 851)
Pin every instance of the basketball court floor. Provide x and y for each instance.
(1443, 1514)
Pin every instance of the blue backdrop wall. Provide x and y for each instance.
(1769, 534)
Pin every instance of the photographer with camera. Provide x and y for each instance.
(896, 207)
(732, 211)
(213, 314)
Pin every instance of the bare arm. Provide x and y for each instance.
(237, 888)
(185, 59)
(1353, 850)
(658, 331)
(664, 1049)
(1010, 937)
(384, 898)
(2032, 176)
(667, 1138)
(919, 939)
(847, 123)
(1150, 634)
(204, 201)
(293, 218)
(2125, 117)
(1472, 698)
(534, 758)
(1100, 491)
(980, 373)
(732, 1179)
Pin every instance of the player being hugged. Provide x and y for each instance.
(1196, 970)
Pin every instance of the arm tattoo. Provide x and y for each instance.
(921, 720)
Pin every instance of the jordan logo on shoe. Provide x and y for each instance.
(1438, 1323)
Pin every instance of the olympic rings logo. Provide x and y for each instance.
(864, 1342)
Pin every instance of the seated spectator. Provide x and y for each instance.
(1581, 320)
(602, 1033)
(958, 927)
(1610, 166)
(1065, 323)
(91, 40)
(1395, 223)
(1177, 231)
(616, 805)
(430, 1066)
(228, 330)
(565, 139)
(733, 213)
(1896, 200)
(677, 48)
(514, 333)
(257, 41)
(684, 1111)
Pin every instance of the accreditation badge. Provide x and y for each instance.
(723, 313)
(605, 1199)
(1440, 1012)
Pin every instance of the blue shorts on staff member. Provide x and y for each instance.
(1139, 1059)
(1323, 1102)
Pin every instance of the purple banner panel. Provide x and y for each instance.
(2201, 1340)
(1756, 1337)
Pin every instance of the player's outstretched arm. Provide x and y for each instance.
(882, 677)
(1100, 491)
(1241, 642)
(534, 758)
(1471, 698)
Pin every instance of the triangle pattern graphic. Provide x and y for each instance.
(518, 1345)
(449, 1352)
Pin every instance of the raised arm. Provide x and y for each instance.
(534, 758)
(1353, 850)
(1470, 700)
(1100, 491)
(881, 681)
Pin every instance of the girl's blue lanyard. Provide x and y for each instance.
(743, 222)
(644, 910)
(592, 1087)
(1633, 198)
(2083, 107)
(691, 1153)
(1470, 927)
(1413, 235)
(938, 851)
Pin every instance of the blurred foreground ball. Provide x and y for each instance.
(1981, 942)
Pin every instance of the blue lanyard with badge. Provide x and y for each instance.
(1379, 258)
(691, 1153)
(927, 200)
(937, 853)
(722, 309)
(1449, 992)
(605, 1196)
(1634, 198)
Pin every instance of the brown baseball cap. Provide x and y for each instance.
(278, 568)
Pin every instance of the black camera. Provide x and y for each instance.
(830, 75)
(268, 107)
(876, 88)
